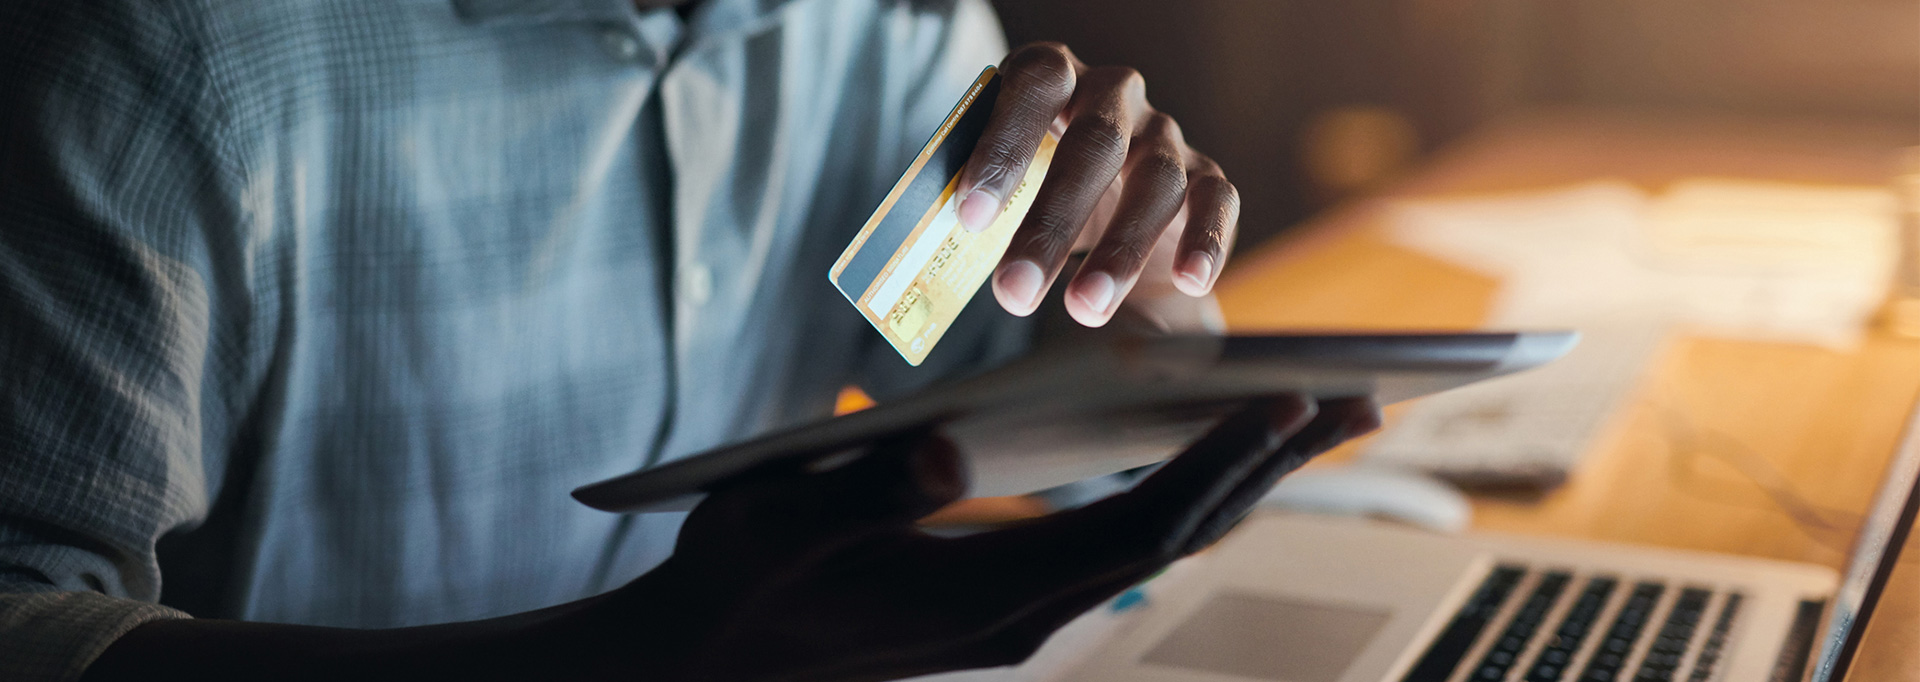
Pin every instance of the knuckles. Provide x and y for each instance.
(1163, 172)
(1104, 138)
(995, 169)
(1161, 126)
(1216, 190)
(1051, 237)
(1044, 67)
(1125, 81)
(1161, 167)
(1131, 252)
(1048, 76)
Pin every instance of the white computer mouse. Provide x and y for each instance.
(1361, 490)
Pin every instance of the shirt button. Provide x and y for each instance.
(696, 284)
(621, 44)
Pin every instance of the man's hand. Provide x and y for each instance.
(825, 577)
(805, 578)
(1157, 215)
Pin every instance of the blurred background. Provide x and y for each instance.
(1304, 103)
(1721, 196)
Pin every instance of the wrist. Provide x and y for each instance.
(652, 627)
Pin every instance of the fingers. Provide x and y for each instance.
(1213, 215)
(1203, 477)
(1154, 186)
(1037, 81)
(1337, 422)
(1113, 139)
(1105, 107)
(1142, 529)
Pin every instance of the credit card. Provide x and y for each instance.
(912, 267)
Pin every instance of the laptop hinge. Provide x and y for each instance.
(1792, 664)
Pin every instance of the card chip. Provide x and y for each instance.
(910, 316)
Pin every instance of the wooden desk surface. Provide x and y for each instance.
(1821, 422)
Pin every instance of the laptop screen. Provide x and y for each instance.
(1875, 552)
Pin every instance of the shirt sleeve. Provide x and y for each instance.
(108, 175)
(958, 39)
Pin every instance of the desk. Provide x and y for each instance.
(1826, 421)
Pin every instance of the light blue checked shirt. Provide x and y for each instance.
(313, 311)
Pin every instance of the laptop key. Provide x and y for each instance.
(1709, 655)
(1606, 662)
(1448, 649)
(1671, 644)
(1551, 664)
(1520, 630)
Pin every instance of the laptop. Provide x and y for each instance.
(1295, 598)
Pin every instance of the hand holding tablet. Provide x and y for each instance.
(825, 577)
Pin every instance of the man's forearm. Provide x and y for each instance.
(565, 642)
(518, 647)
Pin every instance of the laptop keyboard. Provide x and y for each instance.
(1523, 625)
(1506, 650)
(1473, 618)
(1612, 654)
(1675, 637)
(1553, 660)
(1716, 640)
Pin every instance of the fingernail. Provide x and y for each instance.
(1196, 272)
(978, 210)
(1095, 291)
(1018, 286)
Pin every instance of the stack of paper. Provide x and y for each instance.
(1729, 258)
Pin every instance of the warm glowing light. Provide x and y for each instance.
(851, 399)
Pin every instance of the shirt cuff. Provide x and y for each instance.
(54, 636)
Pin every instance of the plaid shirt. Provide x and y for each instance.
(319, 308)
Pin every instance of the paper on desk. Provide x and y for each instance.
(1774, 261)
(1556, 253)
(1730, 258)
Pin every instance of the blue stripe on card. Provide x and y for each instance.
(920, 195)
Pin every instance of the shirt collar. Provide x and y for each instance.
(708, 14)
(541, 11)
(713, 17)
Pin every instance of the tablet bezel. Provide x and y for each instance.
(1136, 373)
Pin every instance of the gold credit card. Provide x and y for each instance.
(912, 267)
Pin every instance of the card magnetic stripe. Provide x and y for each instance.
(922, 193)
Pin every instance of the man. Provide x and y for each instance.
(317, 309)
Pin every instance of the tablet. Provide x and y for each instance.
(1053, 418)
